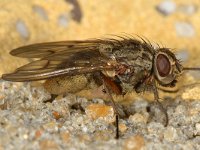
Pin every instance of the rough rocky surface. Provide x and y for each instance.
(71, 122)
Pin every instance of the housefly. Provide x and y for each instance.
(120, 64)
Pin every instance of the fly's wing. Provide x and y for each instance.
(59, 58)
(41, 50)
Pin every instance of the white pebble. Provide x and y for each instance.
(166, 7)
(63, 20)
(197, 126)
(41, 12)
(22, 29)
(170, 134)
(184, 29)
(188, 9)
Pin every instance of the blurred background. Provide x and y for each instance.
(170, 23)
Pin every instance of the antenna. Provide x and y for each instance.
(192, 69)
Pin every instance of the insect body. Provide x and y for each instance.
(120, 65)
(129, 63)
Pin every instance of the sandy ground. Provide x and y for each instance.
(71, 122)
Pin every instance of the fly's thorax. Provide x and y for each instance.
(135, 63)
(134, 82)
(139, 61)
(166, 67)
(137, 57)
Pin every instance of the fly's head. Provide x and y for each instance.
(166, 67)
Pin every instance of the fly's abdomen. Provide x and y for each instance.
(66, 84)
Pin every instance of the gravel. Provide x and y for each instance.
(26, 122)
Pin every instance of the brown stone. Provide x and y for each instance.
(65, 136)
(38, 133)
(48, 144)
(122, 127)
(56, 115)
(134, 143)
(95, 111)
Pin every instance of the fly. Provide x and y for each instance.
(120, 65)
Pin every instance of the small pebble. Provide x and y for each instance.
(41, 12)
(102, 135)
(51, 126)
(184, 29)
(56, 115)
(166, 7)
(180, 109)
(122, 127)
(137, 118)
(134, 143)
(48, 144)
(22, 29)
(198, 127)
(155, 130)
(38, 133)
(95, 111)
(84, 138)
(63, 20)
(189, 9)
(65, 136)
(170, 134)
(194, 111)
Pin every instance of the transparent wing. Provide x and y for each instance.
(45, 49)
(59, 58)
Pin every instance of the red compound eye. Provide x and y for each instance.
(163, 65)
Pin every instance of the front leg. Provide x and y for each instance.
(156, 97)
(111, 88)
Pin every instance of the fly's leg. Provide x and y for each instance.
(112, 88)
(156, 97)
